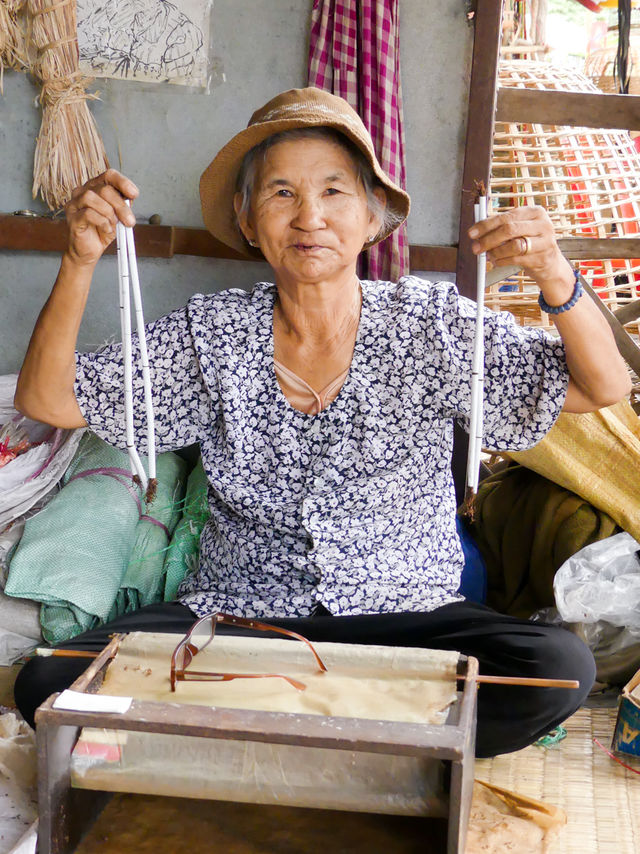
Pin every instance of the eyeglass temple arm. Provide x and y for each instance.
(243, 622)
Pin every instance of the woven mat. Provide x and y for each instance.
(601, 798)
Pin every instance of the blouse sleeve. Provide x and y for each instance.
(182, 403)
(526, 376)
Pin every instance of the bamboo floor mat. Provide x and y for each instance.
(600, 797)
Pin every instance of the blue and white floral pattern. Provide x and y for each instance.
(353, 508)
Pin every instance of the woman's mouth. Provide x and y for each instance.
(307, 247)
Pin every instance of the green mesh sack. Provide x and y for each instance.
(76, 553)
(144, 581)
(184, 549)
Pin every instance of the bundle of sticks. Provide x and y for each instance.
(476, 425)
(13, 46)
(69, 150)
(130, 285)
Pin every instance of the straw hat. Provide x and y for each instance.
(297, 108)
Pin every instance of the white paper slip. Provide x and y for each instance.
(27, 842)
(79, 702)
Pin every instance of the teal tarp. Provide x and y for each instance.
(87, 556)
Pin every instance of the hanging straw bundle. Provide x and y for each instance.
(13, 48)
(69, 149)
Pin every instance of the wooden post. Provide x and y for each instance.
(480, 125)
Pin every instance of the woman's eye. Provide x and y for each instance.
(332, 191)
(284, 194)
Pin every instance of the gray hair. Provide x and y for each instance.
(254, 158)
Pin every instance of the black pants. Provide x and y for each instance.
(509, 718)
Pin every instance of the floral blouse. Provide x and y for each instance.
(352, 508)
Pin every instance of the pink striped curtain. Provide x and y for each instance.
(355, 53)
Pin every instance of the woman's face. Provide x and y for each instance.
(309, 212)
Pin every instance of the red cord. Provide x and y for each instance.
(615, 758)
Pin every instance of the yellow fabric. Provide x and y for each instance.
(597, 456)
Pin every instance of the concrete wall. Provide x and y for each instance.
(168, 135)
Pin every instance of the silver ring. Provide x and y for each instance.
(527, 245)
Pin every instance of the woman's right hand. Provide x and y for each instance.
(92, 214)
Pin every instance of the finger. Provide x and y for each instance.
(118, 204)
(511, 234)
(90, 218)
(523, 214)
(513, 251)
(94, 200)
(108, 201)
(529, 221)
(111, 178)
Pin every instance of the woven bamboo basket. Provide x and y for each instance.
(586, 178)
(600, 64)
(599, 68)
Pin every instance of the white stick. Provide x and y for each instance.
(479, 349)
(477, 371)
(144, 356)
(125, 323)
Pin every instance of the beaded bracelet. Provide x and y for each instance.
(573, 299)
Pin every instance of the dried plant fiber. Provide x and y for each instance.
(69, 150)
(13, 48)
(502, 820)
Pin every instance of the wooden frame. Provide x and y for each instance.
(66, 813)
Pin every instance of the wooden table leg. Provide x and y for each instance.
(65, 813)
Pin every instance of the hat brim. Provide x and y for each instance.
(218, 181)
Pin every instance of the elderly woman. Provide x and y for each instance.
(324, 408)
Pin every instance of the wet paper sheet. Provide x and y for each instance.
(374, 682)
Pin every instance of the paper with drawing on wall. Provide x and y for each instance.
(153, 41)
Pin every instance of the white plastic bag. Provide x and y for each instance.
(14, 646)
(601, 582)
(29, 477)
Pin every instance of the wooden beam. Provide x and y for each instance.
(594, 248)
(439, 259)
(627, 347)
(198, 241)
(628, 313)
(574, 109)
(42, 234)
(480, 126)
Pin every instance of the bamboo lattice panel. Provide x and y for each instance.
(587, 179)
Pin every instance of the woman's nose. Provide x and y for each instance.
(309, 213)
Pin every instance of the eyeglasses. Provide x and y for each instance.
(187, 649)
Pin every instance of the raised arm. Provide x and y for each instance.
(525, 237)
(45, 385)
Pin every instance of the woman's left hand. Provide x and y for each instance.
(523, 237)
